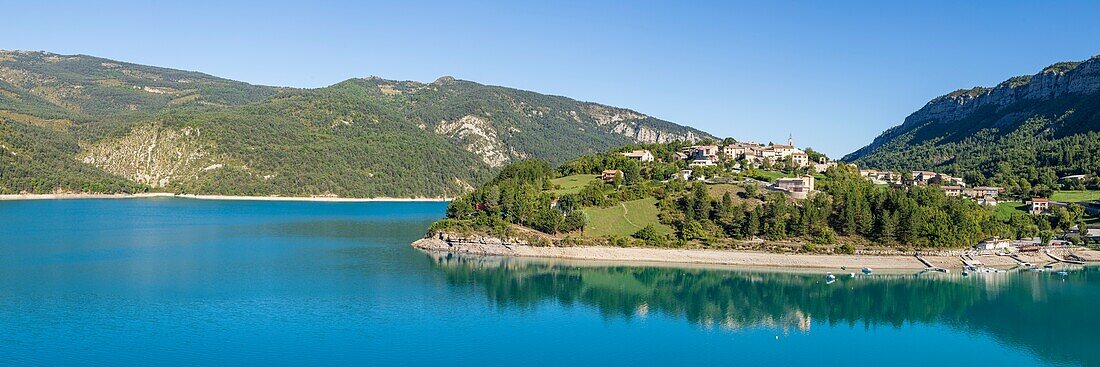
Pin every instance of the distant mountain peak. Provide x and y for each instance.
(970, 130)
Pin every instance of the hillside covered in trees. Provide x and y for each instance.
(76, 123)
(730, 209)
(1023, 134)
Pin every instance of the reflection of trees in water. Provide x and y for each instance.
(1017, 308)
(734, 299)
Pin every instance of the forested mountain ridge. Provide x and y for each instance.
(1026, 131)
(76, 123)
(504, 124)
(82, 87)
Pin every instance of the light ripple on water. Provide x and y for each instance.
(179, 282)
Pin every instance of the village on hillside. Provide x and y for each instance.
(736, 157)
(778, 198)
(792, 170)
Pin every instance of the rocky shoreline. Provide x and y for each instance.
(487, 245)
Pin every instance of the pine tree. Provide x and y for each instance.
(752, 222)
(865, 221)
(726, 208)
(701, 201)
(887, 229)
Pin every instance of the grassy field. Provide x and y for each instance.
(1073, 196)
(572, 184)
(1004, 210)
(716, 191)
(1077, 196)
(624, 219)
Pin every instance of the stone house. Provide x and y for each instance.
(609, 175)
(640, 155)
(952, 191)
(994, 244)
(1039, 205)
(983, 191)
(800, 159)
(704, 152)
(798, 187)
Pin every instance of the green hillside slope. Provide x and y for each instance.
(179, 131)
(1023, 133)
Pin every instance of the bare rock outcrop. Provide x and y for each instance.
(1014, 99)
(477, 135)
(469, 244)
(1054, 81)
(152, 155)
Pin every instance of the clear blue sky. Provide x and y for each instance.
(833, 73)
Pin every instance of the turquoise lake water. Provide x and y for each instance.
(189, 282)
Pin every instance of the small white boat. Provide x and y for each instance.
(829, 277)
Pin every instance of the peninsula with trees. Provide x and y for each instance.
(745, 203)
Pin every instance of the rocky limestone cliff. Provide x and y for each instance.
(646, 134)
(152, 155)
(631, 124)
(1054, 81)
(1061, 79)
(476, 135)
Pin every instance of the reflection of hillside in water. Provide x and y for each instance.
(1042, 312)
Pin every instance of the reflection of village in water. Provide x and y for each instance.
(1040, 311)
